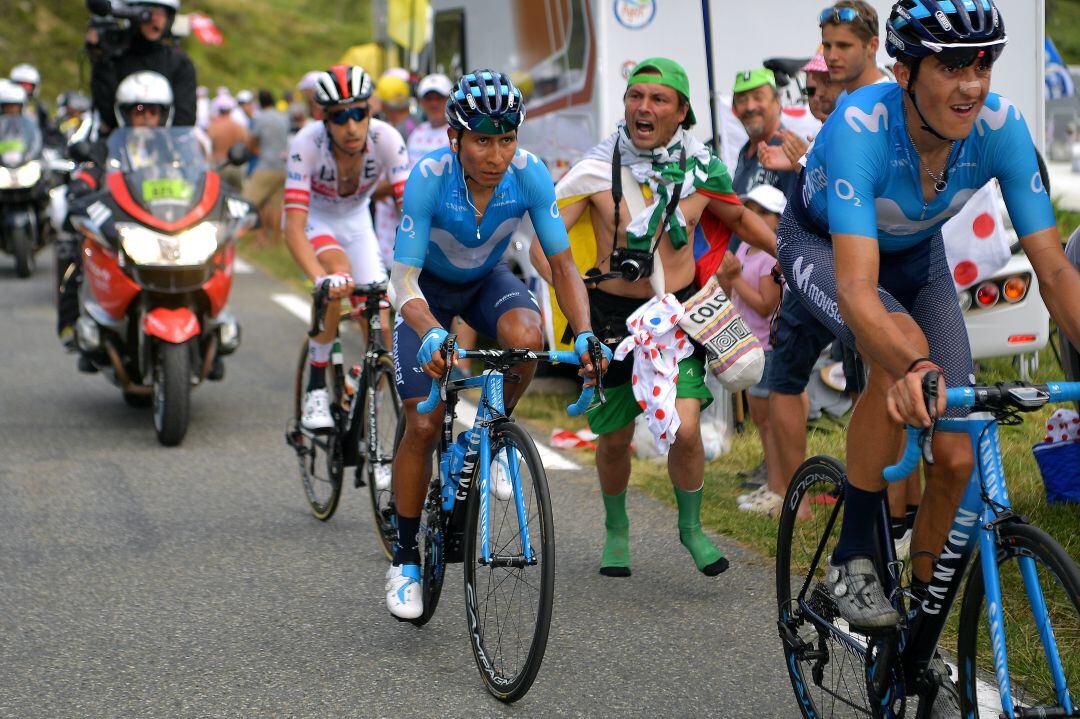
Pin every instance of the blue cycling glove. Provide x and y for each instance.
(581, 345)
(432, 340)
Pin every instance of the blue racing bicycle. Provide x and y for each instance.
(1019, 622)
(505, 540)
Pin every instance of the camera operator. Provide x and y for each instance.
(144, 42)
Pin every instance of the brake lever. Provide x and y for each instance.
(596, 356)
(447, 350)
(930, 396)
(318, 311)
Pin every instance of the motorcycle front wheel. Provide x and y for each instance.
(22, 246)
(172, 391)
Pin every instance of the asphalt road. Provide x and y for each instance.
(142, 581)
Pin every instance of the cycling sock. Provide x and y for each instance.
(407, 551)
(912, 510)
(861, 512)
(898, 526)
(616, 559)
(709, 560)
(319, 357)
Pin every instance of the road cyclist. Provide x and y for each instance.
(334, 169)
(461, 206)
(861, 244)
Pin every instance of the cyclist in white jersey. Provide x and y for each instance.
(334, 169)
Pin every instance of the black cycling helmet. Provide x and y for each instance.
(485, 101)
(957, 32)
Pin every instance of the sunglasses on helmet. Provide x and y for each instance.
(495, 125)
(340, 117)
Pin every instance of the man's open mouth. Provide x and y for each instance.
(644, 126)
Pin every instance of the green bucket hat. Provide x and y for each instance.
(749, 79)
(663, 71)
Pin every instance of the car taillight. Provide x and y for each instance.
(1015, 288)
(987, 295)
(964, 298)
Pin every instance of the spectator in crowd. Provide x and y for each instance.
(306, 86)
(270, 141)
(756, 103)
(850, 44)
(430, 135)
(224, 132)
(396, 100)
(202, 107)
(747, 277)
(246, 101)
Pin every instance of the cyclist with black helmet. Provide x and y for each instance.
(333, 170)
(462, 204)
(861, 244)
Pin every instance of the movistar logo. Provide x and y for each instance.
(802, 277)
(878, 118)
(436, 167)
(993, 120)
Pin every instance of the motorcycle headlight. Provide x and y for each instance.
(29, 174)
(7, 178)
(147, 247)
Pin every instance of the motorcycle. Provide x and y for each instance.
(25, 180)
(158, 244)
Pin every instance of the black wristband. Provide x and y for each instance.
(917, 362)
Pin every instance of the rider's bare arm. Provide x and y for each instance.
(748, 226)
(297, 242)
(570, 215)
(1059, 281)
(570, 291)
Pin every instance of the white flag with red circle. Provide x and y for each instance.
(205, 29)
(976, 242)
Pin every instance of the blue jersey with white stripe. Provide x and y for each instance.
(438, 230)
(863, 175)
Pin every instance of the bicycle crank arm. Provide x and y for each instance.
(516, 561)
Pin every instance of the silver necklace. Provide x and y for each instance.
(941, 183)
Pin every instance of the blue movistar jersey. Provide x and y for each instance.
(863, 175)
(438, 230)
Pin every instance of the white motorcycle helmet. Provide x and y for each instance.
(144, 88)
(11, 93)
(26, 73)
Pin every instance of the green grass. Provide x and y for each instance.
(1063, 26)
(268, 43)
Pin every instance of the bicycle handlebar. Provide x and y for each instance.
(1016, 396)
(438, 386)
(320, 299)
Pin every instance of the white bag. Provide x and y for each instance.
(736, 356)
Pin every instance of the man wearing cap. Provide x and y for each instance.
(648, 160)
(224, 132)
(430, 135)
(756, 103)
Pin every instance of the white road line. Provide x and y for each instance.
(300, 308)
(242, 268)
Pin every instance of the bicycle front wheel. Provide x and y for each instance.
(508, 600)
(825, 660)
(383, 426)
(1023, 549)
(319, 453)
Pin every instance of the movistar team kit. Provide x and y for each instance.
(455, 264)
(863, 177)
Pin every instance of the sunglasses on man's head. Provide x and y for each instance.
(340, 117)
(841, 15)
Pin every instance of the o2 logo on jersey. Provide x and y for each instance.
(555, 209)
(845, 191)
(407, 225)
(1037, 184)
(635, 14)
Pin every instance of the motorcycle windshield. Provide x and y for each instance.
(20, 140)
(164, 168)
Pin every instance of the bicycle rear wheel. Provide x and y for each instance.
(383, 426)
(825, 660)
(1031, 681)
(508, 602)
(319, 453)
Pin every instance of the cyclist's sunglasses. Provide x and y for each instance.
(340, 117)
(841, 15)
(495, 125)
(960, 56)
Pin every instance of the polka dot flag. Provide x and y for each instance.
(976, 242)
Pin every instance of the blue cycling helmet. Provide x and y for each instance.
(485, 101)
(955, 31)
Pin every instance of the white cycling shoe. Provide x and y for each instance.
(384, 476)
(499, 481)
(316, 413)
(403, 591)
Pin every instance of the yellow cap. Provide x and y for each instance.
(392, 90)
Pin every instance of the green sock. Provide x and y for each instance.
(708, 559)
(616, 559)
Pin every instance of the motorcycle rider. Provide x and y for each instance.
(143, 99)
(28, 77)
(12, 98)
(151, 48)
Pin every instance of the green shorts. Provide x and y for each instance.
(621, 407)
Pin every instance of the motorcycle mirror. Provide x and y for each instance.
(239, 154)
(80, 151)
